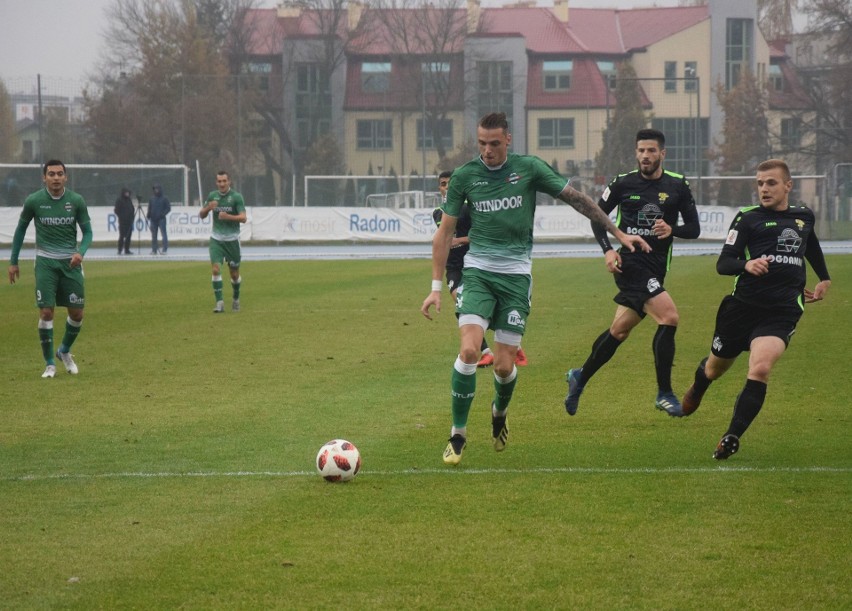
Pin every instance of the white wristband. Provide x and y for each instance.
(437, 285)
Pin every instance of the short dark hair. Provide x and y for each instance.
(445, 174)
(772, 164)
(495, 120)
(223, 173)
(50, 163)
(652, 134)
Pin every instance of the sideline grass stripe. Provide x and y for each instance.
(448, 471)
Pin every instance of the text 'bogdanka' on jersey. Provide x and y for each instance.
(502, 209)
(229, 203)
(786, 238)
(56, 220)
(641, 202)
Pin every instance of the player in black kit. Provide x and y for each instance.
(649, 200)
(766, 249)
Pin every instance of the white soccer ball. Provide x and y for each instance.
(338, 461)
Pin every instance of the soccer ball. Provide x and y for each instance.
(338, 461)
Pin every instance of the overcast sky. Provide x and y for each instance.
(64, 38)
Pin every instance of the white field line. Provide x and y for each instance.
(445, 471)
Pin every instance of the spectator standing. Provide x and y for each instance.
(158, 211)
(125, 212)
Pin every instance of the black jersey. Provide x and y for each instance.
(641, 202)
(786, 238)
(455, 260)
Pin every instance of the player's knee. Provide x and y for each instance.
(469, 354)
(759, 371)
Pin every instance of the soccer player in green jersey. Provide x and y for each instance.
(500, 188)
(57, 212)
(229, 210)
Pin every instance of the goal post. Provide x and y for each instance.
(99, 184)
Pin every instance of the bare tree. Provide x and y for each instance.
(429, 40)
(8, 137)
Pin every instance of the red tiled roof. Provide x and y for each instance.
(643, 27)
(543, 32)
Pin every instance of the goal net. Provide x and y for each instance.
(404, 199)
(100, 184)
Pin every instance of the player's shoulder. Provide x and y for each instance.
(680, 179)
(625, 177)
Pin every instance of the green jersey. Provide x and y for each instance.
(56, 220)
(502, 209)
(231, 203)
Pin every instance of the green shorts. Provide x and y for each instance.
(503, 299)
(225, 251)
(58, 284)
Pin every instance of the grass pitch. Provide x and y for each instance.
(177, 469)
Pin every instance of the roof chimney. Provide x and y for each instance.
(289, 10)
(353, 14)
(473, 12)
(560, 9)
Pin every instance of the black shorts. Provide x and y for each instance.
(738, 323)
(454, 276)
(640, 279)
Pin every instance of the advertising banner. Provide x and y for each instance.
(330, 224)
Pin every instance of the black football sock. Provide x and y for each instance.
(702, 382)
(664, 351)
(602, 350)
(748, 405)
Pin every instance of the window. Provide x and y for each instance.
(790, 134)
(495, 91)
(670, 85)
(374, 134)
(556, 133)
(436, 77)
(443, 130)
(608, 71)
(557, 75)
(690, 73)
(687, 141)
(375, 77)
(313, 104)
(738, 50)
(776, 78)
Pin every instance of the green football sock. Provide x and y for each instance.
(503, 389)
(72, 330)
(45, 336)
(463, 389)
(236, 287)
(217, 288)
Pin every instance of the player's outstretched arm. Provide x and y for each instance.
(583, 204)
(441, 242)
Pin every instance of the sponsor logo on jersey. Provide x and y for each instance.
(653, 285)
(732, 237)
(480, 183)
(73, 298)
(649, 214)
(513, 178)
(514, 318)
(789, 241)
(57, 220)
(502, 203)
(717, 343)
